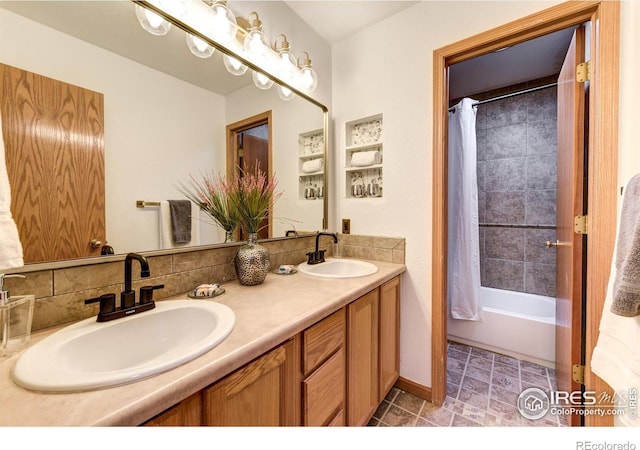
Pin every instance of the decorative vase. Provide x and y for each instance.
(251, 262)
(229, 237)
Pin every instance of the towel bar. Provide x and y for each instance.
(143, 204)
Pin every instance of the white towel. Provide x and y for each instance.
(616, 357)
(313, 165)
(368, 158)
(166, 231)
(10, 246)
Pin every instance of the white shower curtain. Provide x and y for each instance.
(464, 248)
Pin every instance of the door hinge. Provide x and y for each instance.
(580, 224)
(578, 373)
(583, 72)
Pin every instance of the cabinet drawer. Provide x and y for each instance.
(324, 391)
(323, 339)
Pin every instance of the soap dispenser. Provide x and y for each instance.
(16, 316)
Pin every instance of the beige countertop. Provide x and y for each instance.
(266, 315)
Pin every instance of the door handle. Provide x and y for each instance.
(95, 243)
(550, 244)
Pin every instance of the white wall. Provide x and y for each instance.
(158, 129)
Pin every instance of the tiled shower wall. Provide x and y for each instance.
(517, 190)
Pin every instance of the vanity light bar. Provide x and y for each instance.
(196, 17)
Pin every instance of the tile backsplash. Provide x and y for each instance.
(60, 292)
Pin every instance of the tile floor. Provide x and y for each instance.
(482, 389)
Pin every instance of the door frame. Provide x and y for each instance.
(238, 127)
(602, 164)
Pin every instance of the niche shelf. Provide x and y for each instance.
(363, 157)
(311, 165)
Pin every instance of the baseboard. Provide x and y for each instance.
(424, 392)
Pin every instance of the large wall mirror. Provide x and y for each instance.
(165, 113)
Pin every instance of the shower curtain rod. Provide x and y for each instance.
(513, 94)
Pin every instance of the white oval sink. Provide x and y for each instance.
(90, 355)
(339, 268)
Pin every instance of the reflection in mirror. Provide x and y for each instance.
(165, 113)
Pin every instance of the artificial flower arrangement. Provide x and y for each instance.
(212, 194)
(243, 199)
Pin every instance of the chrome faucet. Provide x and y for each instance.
(317, 256)
(128, 306)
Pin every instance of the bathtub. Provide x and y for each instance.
(511, 323)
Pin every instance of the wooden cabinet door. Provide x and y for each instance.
(362, 359)
(254, 395)
(187, 413)
(389, 336)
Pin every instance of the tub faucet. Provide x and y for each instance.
(317, 256)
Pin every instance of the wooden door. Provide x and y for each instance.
(244, 151)
(54, 144)
(362, 359)
(570, 203)
(255, 153)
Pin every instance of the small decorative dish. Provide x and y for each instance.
(285, 270)
(206, 291)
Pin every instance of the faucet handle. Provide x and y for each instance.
(107, 303)
(146, 293)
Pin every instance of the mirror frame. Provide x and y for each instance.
(49, 265)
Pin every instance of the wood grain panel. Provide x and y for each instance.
(389, 337)
(251, 396)
(54, 141)
(571, 104)
(323, 339)
(324, 391)
(362, 359)
(187, 413)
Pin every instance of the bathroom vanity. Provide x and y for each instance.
(304, 351)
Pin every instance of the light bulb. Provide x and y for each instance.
(234, 66)
(255, 44)
(286, 64)
(285, 93)
(309, 79)
(152, 22)
(198, 47)
(223, 18)
(176, 8)
(261, 80)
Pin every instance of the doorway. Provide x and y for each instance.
(602, 155)
(526, 183)
(249, 145)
